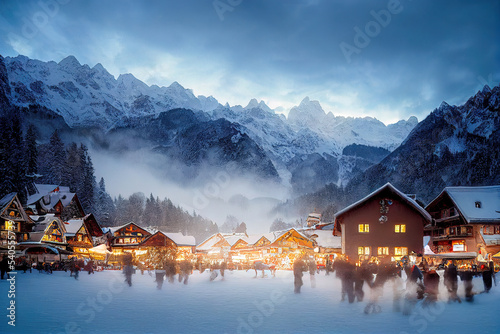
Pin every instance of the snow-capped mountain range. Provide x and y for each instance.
(92, 97)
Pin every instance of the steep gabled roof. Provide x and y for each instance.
(158, 239)
(395, 191)
(117, 228)
(181, 239)
(476, 204)
(208, 243)
(7, 201)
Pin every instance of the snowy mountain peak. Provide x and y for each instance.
(70, 62)
(307, 113)
(99, 68)
(486, 89)
(262, 105)
(176, 86)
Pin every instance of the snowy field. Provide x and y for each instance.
(239, 303)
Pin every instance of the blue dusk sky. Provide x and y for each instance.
(385, 59)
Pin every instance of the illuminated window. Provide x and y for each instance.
(363, 250)
(383, 251)
(400, 251)
(364, 228)
(400, 228)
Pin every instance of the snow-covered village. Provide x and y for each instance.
(357, 191)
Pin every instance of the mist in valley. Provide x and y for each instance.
(215, 193)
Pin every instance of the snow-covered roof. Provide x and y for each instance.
(208, 243)
(325, 238)
(490, 239)
(181, 239)
(5, 201)
(41, 190)
(47, 197)
(72, 226)
(393, 189)
(42, 222)
(476, 204)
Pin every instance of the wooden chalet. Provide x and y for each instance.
(13, 218)
(466, 219)
(185, 245)
(291, 240)
(212, 246)
(46, 198)
(386, 223)
(83, 234)
(48, 229)
(126, 239)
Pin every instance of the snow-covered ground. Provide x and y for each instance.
(239, 303)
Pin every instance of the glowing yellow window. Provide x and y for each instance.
(383, 251)
(400, 228)
(400, 251)
(364, 228)
(363, 250)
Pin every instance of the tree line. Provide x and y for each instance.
(25, 160)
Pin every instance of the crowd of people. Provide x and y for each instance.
(422, 280)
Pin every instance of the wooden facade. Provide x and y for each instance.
(13, 218)
(83, 234)
(386, 223)
(466, 219)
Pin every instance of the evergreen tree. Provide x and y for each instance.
(31, 151)
(73, 168)
(87, 181)
(121, 208)
(104, 206)
(16, 157)
(6, 184)
(135, 208)
(57, 157)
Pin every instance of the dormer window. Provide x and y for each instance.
(478, 204)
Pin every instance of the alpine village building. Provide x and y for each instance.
(384, 224)
(465, 219)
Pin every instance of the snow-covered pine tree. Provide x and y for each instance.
(104, 206)
(57, 158)
(87, 181)
(73, 168)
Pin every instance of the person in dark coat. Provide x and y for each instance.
(159, 278)
(339, 267)
(451, 282)
(348, 280)
(127, 268)
(170, 269)
(223, 267)
(384, 272)
(298, 267)
(312, 271)
(4, 266)
(431, 283)
(361, 275)
(185, 267)
(488, 273)
(466, 277)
